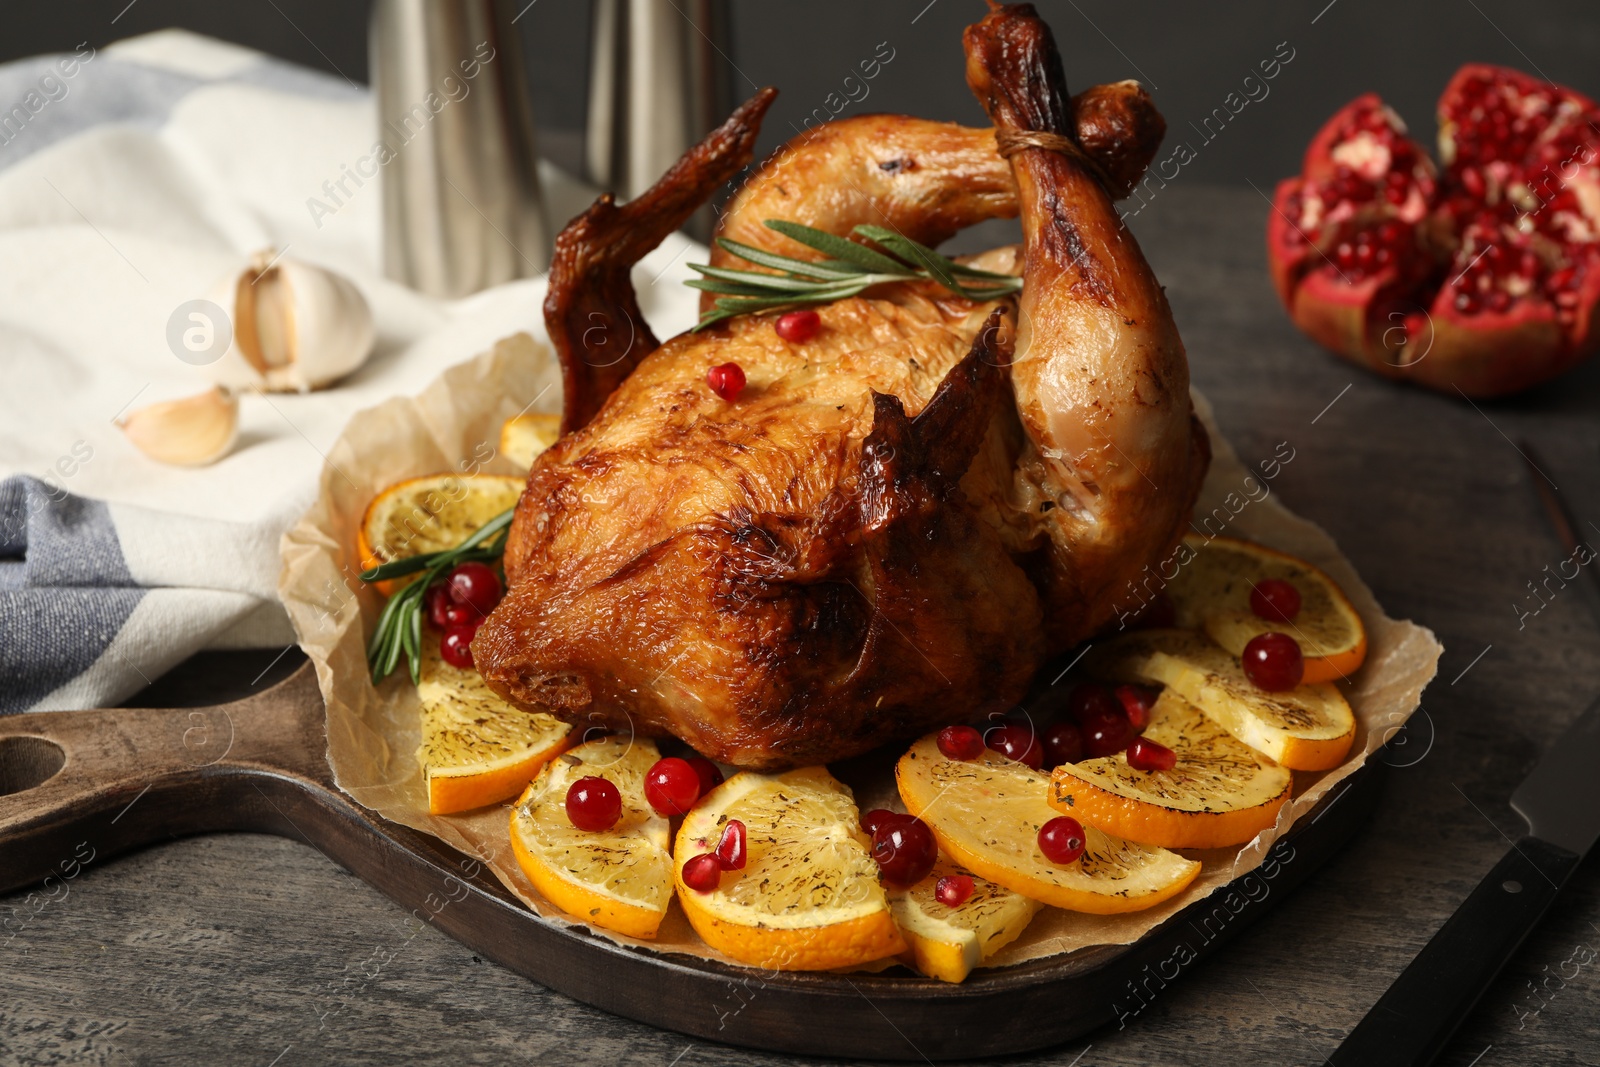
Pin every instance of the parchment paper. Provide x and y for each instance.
(454, 424)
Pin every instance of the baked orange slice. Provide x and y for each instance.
(1212, 593)
(808, 896)
(1219, 791)
(1308, 728)
(619, 878)
(429, 514)
(476, 748)
(948, 942)
(523, 437)
(986, 814)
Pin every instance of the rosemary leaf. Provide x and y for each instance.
(842, 249)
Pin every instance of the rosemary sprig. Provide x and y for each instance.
(399, 629)
(850, 268)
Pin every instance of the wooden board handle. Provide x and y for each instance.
(94, 783)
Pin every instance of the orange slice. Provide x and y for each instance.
(476, 748)
(986, 814)
(524, 436)
(808, 898)
(429, 514)
(1220, 792)
(1308, 728)
(1212, 593)
(947, 943)
(619, 878)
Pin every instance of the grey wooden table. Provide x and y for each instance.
(247, 949)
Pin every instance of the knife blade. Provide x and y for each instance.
(1560, 801)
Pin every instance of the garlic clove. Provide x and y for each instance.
(296, 327)
(190, 432)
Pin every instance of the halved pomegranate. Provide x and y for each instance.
(1480, 276)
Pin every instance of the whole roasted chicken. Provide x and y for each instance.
(898, 521)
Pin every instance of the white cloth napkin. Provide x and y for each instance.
(152, 170)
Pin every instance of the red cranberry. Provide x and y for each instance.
(460, 615)
(702, 873)
(1106, 733)
(593, 804)
(709, 773)
(953, 890)
(905, 851)
(730, 848)
(1063, 743)
(726, 380)
(1016, 740)
(1275, 598)
(671, 786)
(960, 742)
(1147, 755)
(1136, 703)
(879, 817)
(456, 646)
(1091, 699)
(798, 327)
(1061, 839)
(1273, 662)
(474, 585)
(437, 601)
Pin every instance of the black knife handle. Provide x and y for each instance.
(1411, 1023)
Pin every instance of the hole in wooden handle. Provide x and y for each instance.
(26, 762)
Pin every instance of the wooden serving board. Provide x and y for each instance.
(110, 780)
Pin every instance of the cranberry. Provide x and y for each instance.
(460, 615)
(726, 380)
(593, 804)
(1273, 662)
(709, 773)
(1275, 598)
(456, 645)
(437, 601)
(474, 585)
(1136, 703)
(1106, 733)
(1063, 743)
(798, 327)
(1061, 839)
(960, 742)
(953, 890)
(702, 873)
(1090, 699)
(671, 786)
(904, 850)
(730, 849)
(878, 817)
(1147, 755)
(1016, 740)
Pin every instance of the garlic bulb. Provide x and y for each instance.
(296, 327)
(190, 432)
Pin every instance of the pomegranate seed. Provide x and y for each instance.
(1273, 662)
(1147, 755)
(709, 773)
(1136, 703)
(953, 890)
(671, 786)
(1063, 743)
(455, 647)
(1275, 598)
(1106, 733)
(437, 601)
(730, 849)
(904, 850)
(878, 817)
(1088, 699)
(798, 327)
(474, 585)
(593, 804)
(960, 742)
(1061, 840)
(726, 380)
(1016, 740)
(702, 873)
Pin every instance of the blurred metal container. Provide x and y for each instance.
(658, 82)
(462, 207)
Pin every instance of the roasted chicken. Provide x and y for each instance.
(898, 521)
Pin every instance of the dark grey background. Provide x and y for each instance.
(1190, 54)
